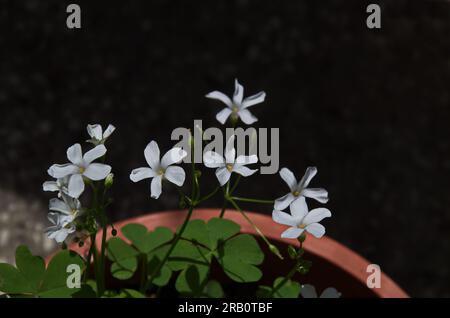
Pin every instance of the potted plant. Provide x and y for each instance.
(192, 252)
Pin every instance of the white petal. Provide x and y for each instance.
(223, 115)
(174, 155)
(76, 185)
(292, 233)
(58, 205)
(309, 174)
(151, 153)
(330, 292)
(175, 175)
(95, 131)
(91, 155)
(316, 215)
(220, 96)
(50, 186)
(156, 187)
(108, 131)
(243, 170)
(308, 291)
(289, 178)
(141, 174)
(212, 159)
(223, 175)
(283, 218)
(246, 160)
(238, 93)
(74, 154)
(299, 208)
(316, 229)
(230, 152)
(97, 171)
(283, 202)
(254, 99)
(247, 117)
(61, 171)
(318, 194)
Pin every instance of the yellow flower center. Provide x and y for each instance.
(301, 226)
(234, 108)
(82, 170)
(229, 167)
(161, 172)
(296, 193)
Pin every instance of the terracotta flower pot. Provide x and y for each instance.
(333, 264)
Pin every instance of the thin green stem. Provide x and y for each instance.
(88, 263)
(253, 200)
(272, 247)
(224, 208)
(207, 196)
(144, 273)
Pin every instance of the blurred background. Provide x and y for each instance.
(369, 108)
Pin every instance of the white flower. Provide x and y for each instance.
(97, 135)
(300, 190)
(237, 107)
(229, 164)
(81, 166)
(62, 227)
(309, 291)
(160, 169)
(59, 185)
(67, 206)
(301, 220)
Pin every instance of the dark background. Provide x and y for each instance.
(369, 108)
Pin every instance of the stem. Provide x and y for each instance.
(272, 247)
(207, 196)
(289, 275)
(224, 207)
(88, 263)
(253, 200)
(144, 273)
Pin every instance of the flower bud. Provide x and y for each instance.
(114, 232)
(109, 180)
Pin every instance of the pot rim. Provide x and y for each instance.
(326, 248)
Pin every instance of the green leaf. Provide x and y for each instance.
(162, 278)
(129, 293)
(290, 289)
(54, 283)
(192, 280)
(145, 241)
(31, 267)
(197, 231)
(12, 281)
(214, 290)
(124, 258)
(222, 229)
(238, 258)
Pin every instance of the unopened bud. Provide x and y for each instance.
(109, 180)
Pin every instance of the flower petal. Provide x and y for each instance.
(247, 117)
(212, 159)
(230, 152)
(58, 205)
(292, 233)
(243, 170)
(330, 292)
(318, 194)
(174, 155)
(299, 208)
(109, 130)
(91, 155)
(176, 175)
(141, 174)
(223, 175)
(309, 174)
(220, 96)
(61, 171)
(223, 115)
(283, 202)
(156, 187)
(238, 93)
(283, 218)
(151, 153)
(246, 160)
(76, 185)
(95, 131)
(97, 171)
(51, 186)
(74, 154)
(254, 99)
(289, 178)
(316, 229)
(316, 215)
(308, 291)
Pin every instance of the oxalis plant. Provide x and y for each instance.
(163, 261)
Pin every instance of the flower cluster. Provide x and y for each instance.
(70, 180)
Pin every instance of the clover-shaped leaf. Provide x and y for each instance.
(289, 289)
(31, 278)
